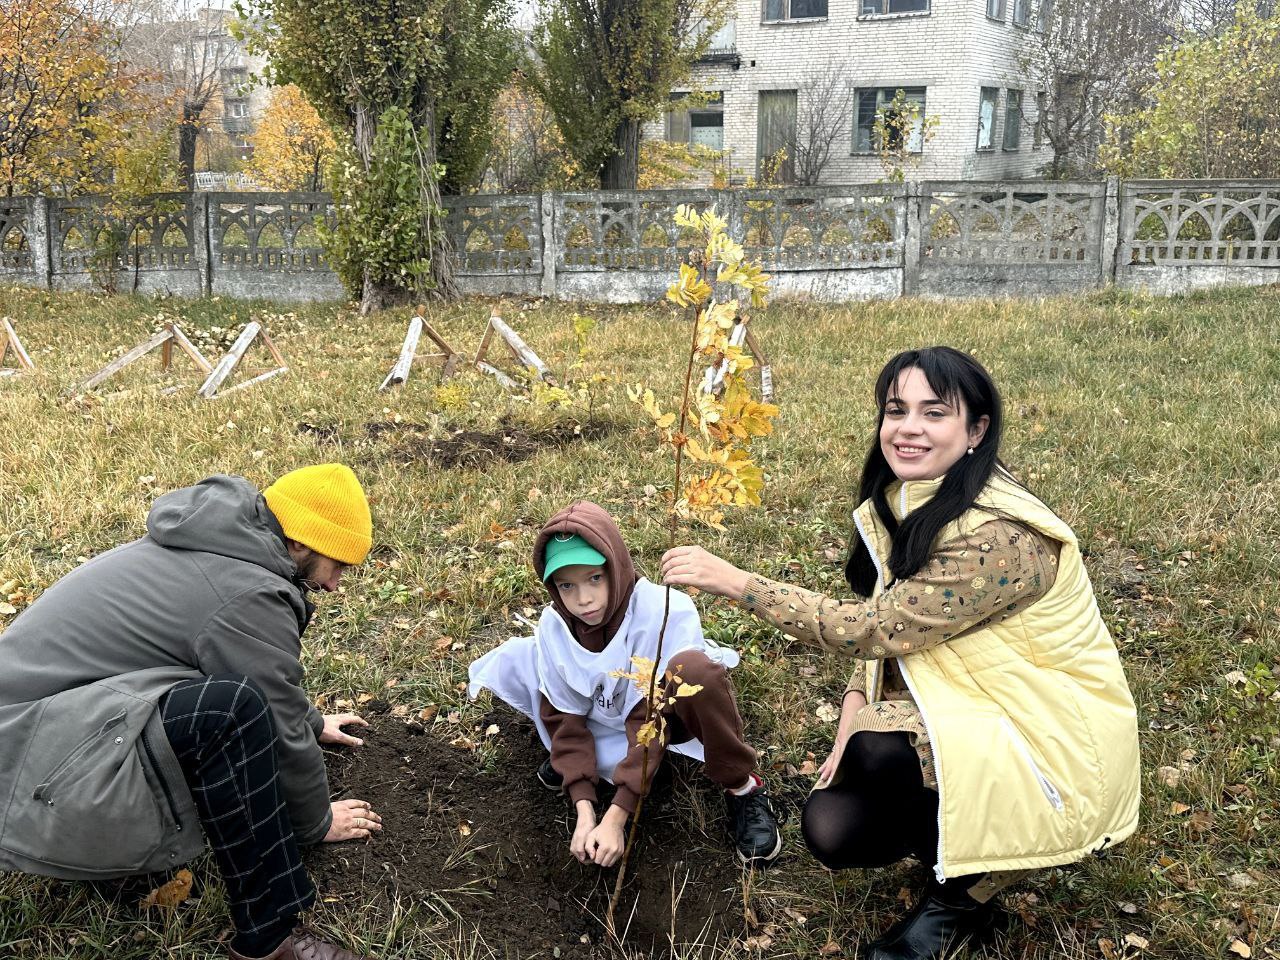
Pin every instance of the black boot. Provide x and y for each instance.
(942, 922)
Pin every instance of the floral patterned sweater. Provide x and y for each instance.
(991, 574)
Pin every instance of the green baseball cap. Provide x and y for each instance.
(569, 550)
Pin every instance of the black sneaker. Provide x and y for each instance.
(548, 777)
(755, 829)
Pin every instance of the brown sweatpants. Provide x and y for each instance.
(710, 715)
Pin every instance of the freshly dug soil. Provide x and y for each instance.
(493, 845)
(510, 443)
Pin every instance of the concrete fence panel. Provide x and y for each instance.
(826, 243)
(1010, 238)
(1180, 235)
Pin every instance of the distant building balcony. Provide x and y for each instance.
(723, 47)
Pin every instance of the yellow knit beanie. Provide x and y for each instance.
(323, 507)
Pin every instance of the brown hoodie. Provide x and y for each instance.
(573, 749)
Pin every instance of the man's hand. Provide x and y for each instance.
(352, 820)
(606, 842)
(586, 823)
(333, 724)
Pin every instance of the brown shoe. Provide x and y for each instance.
(302, 944)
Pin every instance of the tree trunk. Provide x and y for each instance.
(382, 294)
(622, 170)
(188, 130)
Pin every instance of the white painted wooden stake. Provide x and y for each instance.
(520, 350)
(227, 365)
(11, 341)
(400, 372)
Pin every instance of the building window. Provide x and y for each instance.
(878, 8)
(995, 10)
(1043, 15)
(702, 123)
(877, 101)
(1020, 9)
(1042, 105)
(778, 10)
(987, 118)
(776, 134)
(1012, 119)
(236, 108)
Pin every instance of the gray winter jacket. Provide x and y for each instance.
(89, 786)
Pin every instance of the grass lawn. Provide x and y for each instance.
(1151, 425)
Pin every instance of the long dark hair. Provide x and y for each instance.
(953, 376)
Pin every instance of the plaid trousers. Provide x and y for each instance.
(222, 731)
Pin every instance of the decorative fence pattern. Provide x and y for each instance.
(268, 231)
(15, 228)
(496, 235)
(935, 238)
(1012, 223)
(1190, 222)
(89, 234)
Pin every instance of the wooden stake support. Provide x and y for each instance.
(9, 341)
(408, 353)
(713, 378)
(227, 365)
(165, 340)
(520, 350)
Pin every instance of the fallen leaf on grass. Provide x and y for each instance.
(1178, 809)
(808, 768)
(1129, 908)
(1200, 822)
(1133, 940)
(1240, 948)
(463, 743)
(826, 712)
(492, 729)
(7, 609)
(464, 828)
(170, 894)
(1169, 776)
(1108, 949)
(427, 714)
(828, 949)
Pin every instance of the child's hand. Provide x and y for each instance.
(606, 842)
(586, 823)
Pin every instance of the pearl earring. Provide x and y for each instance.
(971, 451)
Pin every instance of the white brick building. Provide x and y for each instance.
(963, 59)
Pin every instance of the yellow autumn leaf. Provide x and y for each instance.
(687, 689)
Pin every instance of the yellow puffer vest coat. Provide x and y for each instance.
(1033, 727)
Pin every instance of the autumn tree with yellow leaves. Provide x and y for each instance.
(69, 103)
(712, 430)
(292, 144)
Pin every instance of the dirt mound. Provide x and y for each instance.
(491, 845)
(510, 443)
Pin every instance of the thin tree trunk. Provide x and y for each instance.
(622, 170)
(188, 130)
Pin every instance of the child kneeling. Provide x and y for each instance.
(602, 613)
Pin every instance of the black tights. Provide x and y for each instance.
(879, 812)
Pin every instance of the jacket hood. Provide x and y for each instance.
(593, 524)
(223, 515)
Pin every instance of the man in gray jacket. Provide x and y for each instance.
(156, 691)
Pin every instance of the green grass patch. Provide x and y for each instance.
(1151, 425)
